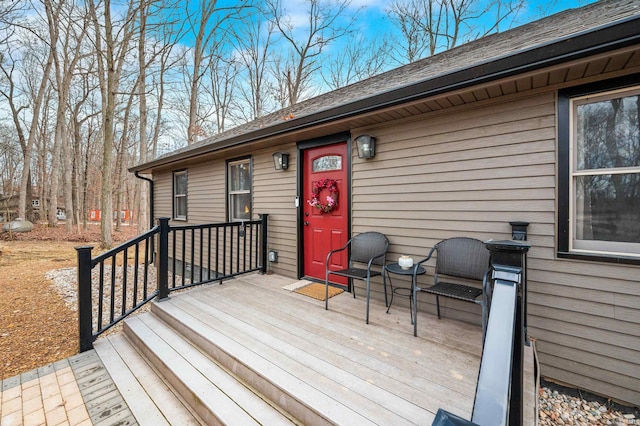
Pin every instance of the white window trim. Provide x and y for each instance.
(176, 195)
(595, 247)
(230, 164)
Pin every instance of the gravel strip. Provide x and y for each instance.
(64, 281)
(559, 405)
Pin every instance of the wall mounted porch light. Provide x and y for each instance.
(519, 230)
(281, 161)
(366, 146)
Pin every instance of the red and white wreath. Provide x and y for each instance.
(331, 200)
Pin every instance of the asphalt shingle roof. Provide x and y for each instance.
(470, 58)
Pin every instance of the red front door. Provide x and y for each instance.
(325, 171)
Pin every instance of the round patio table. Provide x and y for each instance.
(394, 268)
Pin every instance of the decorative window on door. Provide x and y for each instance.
(326, 163)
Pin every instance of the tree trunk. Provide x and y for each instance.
(54, 175)
(68, 181)
(25, 181)
(118, 206)
(142, 204)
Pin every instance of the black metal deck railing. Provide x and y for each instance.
(499, 399)
(166, 258)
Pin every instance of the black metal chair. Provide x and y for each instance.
(458, 257)
(368, 248)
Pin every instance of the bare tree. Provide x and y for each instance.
(429, 26)
(359, 59)
(9, 14)
(39, 81)
(8, 91)
(325, 23)
(110, 60)
(143, 109)
(154, 61)
(122, 148)
(10, 161)
(207, 23)
(168, 60)
(83, 114)
(223, 74)
(254, 43)
(72, 24)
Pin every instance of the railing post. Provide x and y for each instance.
(516, 412)
(263, 253)
(163, 259)
(513, 255)
(84, 298)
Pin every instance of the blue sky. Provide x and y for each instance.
(376, 21)
(373, 21)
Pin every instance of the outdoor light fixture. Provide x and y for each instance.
(519, 230)
(281, 161)
(366, 146)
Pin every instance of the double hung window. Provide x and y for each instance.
(239, 189)
(180, 195)
(603, 174)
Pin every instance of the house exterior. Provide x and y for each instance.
(517, 126)
(9, 208)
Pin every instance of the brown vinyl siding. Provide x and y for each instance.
(466, 171)
(206, 193)
(163, 198)
(470, 171)
(274, 192)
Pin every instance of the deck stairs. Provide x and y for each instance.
(244, 353)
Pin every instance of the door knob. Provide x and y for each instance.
(306, 223)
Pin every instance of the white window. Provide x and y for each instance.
(35, 203)
(180, 195)
(604, 193)
(239, 190)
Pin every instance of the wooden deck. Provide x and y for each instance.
(280, 358)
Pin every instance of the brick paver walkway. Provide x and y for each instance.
(74, 391)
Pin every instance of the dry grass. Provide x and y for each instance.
(36, 327)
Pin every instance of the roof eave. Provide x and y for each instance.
(610, 37)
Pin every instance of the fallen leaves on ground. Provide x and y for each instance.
(36, 327)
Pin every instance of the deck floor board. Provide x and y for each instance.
(367, 354)
(381, 365)
(332, 377)
(376, 373)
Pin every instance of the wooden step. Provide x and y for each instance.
(307, 381)
(150, 400)
(216, 396)
(249, 352)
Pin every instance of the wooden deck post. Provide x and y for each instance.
(84, 298)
